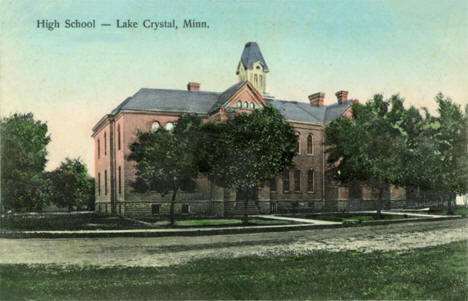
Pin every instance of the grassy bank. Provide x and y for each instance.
(434, 273)
(99, 222)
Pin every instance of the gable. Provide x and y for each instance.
(246, 97)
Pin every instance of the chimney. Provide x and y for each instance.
(191, 86)
(342, 96)
(316, 99)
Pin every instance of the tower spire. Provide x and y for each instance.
(252, 67)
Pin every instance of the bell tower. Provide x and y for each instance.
(252, 67)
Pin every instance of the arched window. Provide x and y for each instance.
(120, 180)
(298, 144)
(310, 149)
(105, 182)
(155, 126)
(246, 105)
(118, 136)
(105, 144)
(239, 104)
(98, 148)
(252, 106)
(310, 180)
(297, 180)
(169, 126)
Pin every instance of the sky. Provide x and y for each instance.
(70, 78)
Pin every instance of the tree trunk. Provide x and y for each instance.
(172, 218)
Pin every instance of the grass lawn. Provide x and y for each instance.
(437, 273)
(356, 218)
(457, 211)
(96, 222)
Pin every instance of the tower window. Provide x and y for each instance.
(256, 79)
(297, 180)
(310, 140)
(261, 80)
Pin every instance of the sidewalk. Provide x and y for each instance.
(298, 220)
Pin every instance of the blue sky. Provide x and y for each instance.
(72, 77)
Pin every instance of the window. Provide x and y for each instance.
(297, 180)
(226, 194)
(310, 180)
(118, 136)
(155, 126)
(252, 106)
(169, 126)
(256, 79)
(310, 140)
(246, 105)
(273, 184)
(239, 104)
(98, 148)
(298, 144)
(105, 182)
(155, 209)
(105, 144)
(120, 180)
(99, 183)
(185, 208)
(261, 80)
(286, 180)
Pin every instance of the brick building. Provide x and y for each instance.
(304, 187)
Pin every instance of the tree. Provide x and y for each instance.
(249, 149)
(371, 147)
(70, 185)
(168, 160)
(23, 158)
(448, 133)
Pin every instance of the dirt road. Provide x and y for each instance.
(164, 251)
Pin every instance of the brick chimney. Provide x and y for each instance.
(342, 96)
(316, 99)
(192, 86)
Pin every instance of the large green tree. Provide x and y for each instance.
(168, 161)
(372, 146)
(23, 158)
(446, 144)
(249, 149)
(70, 185)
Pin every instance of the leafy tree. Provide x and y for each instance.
(70, 185)
(23, 158)
(249, 149)
(448, 149)
(168, 160)
(371, 147)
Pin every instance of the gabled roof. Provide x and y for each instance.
(224, 97)
(304, 112)
(164, 100)
(202, 102)
(252, 54)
